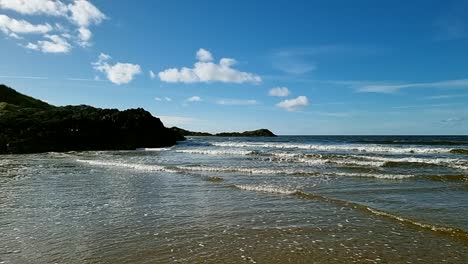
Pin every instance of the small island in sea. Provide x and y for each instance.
(254, 133)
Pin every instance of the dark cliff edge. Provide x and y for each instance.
(253, 133)
(28, 125)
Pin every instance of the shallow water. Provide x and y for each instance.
(241, 200)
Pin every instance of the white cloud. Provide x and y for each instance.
(152, 75)
(35, 7)
(84, 35)
(279, 92)
(194, 99)
(205, 70)
(204, 55)
(159, 99)
(80, 13)
(294, 104)
(393, 88)
(53, 44)
(170, 121)
(84, 14)
(236, 102)
(119, 73)
(13, 27)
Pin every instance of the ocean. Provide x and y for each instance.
(288, 199)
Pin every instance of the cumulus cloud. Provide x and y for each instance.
(52, 44)
(84, 14)
(204, 55)
(84, 35)
(13, 27)
(35, 7)
(279, 92)
(205, 70)
(294, 104)
(236, 102)
(119, 73)
(80, 13)
(194, 99)
(152, 75)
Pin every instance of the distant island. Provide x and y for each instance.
(253, 133)
(28, 125)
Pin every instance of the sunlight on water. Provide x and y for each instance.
(246, 200)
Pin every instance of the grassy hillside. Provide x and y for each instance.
(28, 125)
(12, 97)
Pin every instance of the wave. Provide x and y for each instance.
(444, 230)
(231, 169)
(416, 142)
(346, 148)
(420, 162)
(455, 232)
(197, 168)
(319, 159)
(255, 171)
(449, 178)
(267, 189)
(153, 149)
(459, 151)
(216, 152)
(133, 166)
(367, 161)
(374, 175)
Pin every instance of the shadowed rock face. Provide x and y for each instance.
(253, 133)
(28, 125)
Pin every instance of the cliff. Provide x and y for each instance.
(28, 125)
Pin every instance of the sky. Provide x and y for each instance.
(294, 67)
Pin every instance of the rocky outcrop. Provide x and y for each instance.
(28, 125)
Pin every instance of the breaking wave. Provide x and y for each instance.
(346, 148)
(216, 151)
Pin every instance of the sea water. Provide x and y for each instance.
(289, 199)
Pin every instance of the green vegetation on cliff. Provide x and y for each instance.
(28, 125)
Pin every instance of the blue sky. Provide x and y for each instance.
(295, 67)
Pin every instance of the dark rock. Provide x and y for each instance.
(254, 133)
(28, 125)
(189, 133)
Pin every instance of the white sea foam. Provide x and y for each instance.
(374, 175)
(233, 169)
(244, 170)
(372, 161)
(454, 163)
(267, 189)
(153, 149)
(133, 166)
(347, 148)
(178, 169)
(321, 160)
(216, 151)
